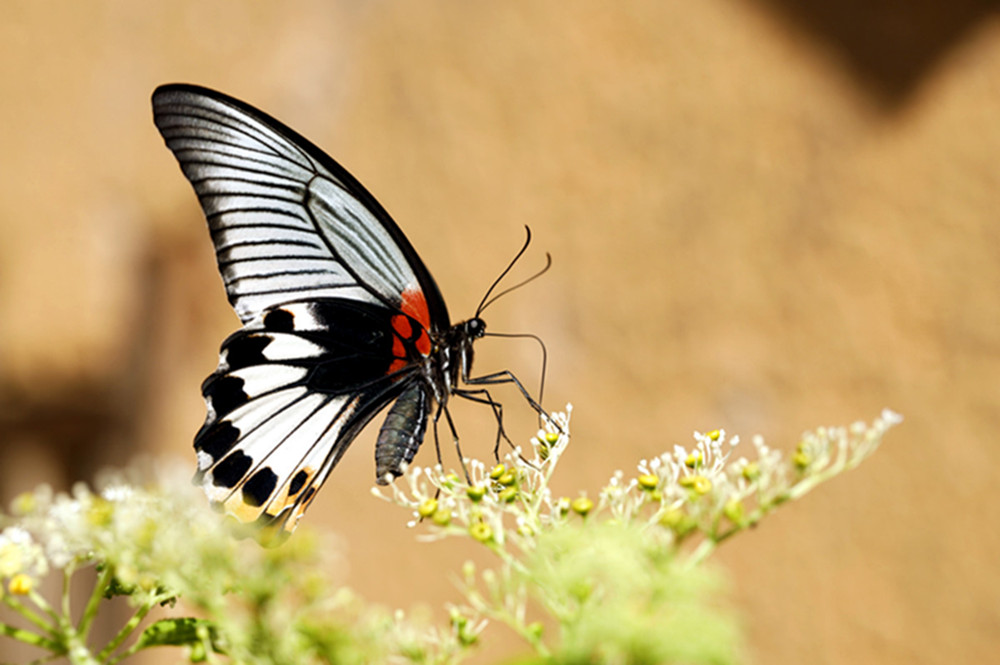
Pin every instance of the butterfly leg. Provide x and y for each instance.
(506, 376)
(482, 396)
(454, 437)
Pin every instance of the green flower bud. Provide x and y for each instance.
(733, 510)
(100, 513)
(751, 471)
(476, 493)
(694, 460)
(441, 517)
(801, 460)
(481, 531)
(699, 484)
(508, 494)
(551, 437)
(649, 481)
(582, 505)
(498, 471)
(678, 522)
(714, 435)
(507, 479)
(427, 508)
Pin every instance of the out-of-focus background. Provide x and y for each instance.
(765, 215)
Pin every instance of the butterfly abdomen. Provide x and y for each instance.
(402, 432)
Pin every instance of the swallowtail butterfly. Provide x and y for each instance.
(340, 316)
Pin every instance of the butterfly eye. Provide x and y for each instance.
(476, 327)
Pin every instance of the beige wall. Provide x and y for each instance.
(761, 218)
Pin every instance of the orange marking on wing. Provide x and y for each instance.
(423, 343)
(398, 349)
(415, 305)
(401, 324)
(397, 364)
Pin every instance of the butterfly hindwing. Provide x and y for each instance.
(285, 403)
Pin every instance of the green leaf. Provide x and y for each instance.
(177, 632)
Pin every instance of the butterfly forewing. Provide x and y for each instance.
(288, 222)
(338, 309)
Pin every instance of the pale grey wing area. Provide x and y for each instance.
(285, 228)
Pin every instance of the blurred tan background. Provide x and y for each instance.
(765, 215)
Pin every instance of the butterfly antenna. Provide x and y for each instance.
(487, 300)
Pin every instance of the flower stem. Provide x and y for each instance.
(90, 611)
(29, 637)
(30, 615)
(126, 630)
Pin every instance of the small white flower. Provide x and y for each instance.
(20, 554)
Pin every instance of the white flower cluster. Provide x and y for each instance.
(699, 489)
(20, 555)
(121, 524)
(478, 502)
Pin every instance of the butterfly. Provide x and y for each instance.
(340, 316)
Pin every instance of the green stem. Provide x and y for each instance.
(93, 604)
(30, 615)
(44, 606)
(704, 549)
(126, 630)
(29, 637)
(67, 616)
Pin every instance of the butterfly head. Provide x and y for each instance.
(474, 328)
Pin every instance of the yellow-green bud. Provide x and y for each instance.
(551, 437)
(801, 460)
(100, 512)
(535, 629)
(427, 508)
(20, 585)
(694, 460)
(441, 517)
(649, 481)
(733, 510)
(678, 522)
(508, 494)
(498, 471)
(714, 435)
(476, 493)
(751, 471)
(24, 503)
(563, 505)
(700, 484)
(481, 531)
(582, 505)
(507, 479)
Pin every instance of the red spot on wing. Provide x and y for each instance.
(423, 343)
(398, 349)
(401, 324)
(415, 305)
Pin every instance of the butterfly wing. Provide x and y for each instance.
(336, 305)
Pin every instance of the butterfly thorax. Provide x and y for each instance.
(451, 358)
